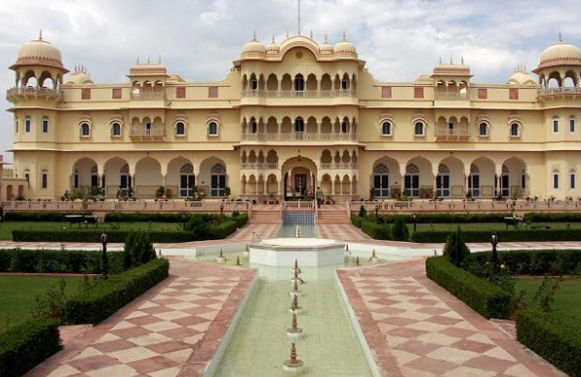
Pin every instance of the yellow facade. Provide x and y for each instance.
(290, 117)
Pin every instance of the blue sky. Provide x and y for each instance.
(198, 39)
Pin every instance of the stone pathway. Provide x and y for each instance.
(416, 328)
(172, 330)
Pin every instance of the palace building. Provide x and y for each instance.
(293, 116)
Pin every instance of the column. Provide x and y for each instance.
(333, 186)
(265, 191)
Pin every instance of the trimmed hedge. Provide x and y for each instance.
(557, 342)
(90, 235)
(537, 262)
(447, 218)
(121, 217)
(376, 231)
(356, 220)
(548, 217)
(38, 216)
(24, 346)
(58, 261)
(485, 298)
(516, 235)
(98, 303)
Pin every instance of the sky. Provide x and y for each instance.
(199, 39)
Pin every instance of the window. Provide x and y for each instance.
(443, 182)
(386, 128)
(555, 125)
(76, 179)
(515, 130)
(16, 125)
(44, 179)
(344, 84)
(124, 180)
(218, 180)
(86, 93)
(213, 129)
(572, 180)
(483, 129)
(504, 183)
(555, 179)
(386, 92)
(482, 93)
(299, 125)
(85, 130)
(116, 130)
(213, 92)
(412, 181)
(116, 93)
(572, 123)
(94, 176)
(253, 127)
(181, 92)
(474, 181)
(27, 175)
(344, 127)
(523, 179)
(419, 129)
(419, 92)
(381, 181)
(187, 181)
(27, 124)
(147, 127)
(180, 129)
(299, 83)
(44, 125)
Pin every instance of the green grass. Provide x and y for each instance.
(567, 304)
(18, 295)
(487, 226)
(7, 227)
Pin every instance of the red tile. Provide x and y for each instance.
(417, 348)
(156, 310)
(167, 347)
(152, 364)
(94, 363)
(458, 333)
(405, 332)
(489, 363)
(189, 321)
(113, 346)
(426, 364)
(145, 320)
(440, 320)
(469, 345)
(180, 332)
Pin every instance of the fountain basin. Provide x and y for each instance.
(310, 252)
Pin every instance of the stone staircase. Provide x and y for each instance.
(265, 214)
(333, 214)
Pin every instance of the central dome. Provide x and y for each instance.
(253, 49)
(39, 52)
(345, 48)
(560, 53)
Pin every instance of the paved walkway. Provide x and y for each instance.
(416, 328)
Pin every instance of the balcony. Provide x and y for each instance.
(300, 137)
(299, 93)
(31, 91)
(339, 165)
(147, 96)
(452, 96)
(456, 134)
(259, 166)
(147, 135)
(559, 92)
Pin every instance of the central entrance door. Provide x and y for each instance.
(300, 184)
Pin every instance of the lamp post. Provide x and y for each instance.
(183, 221)
(494, 242)
(415, 221)
(105, 272)
(377, 211)
(221, 210)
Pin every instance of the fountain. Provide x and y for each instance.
(357, 262)
(293, 365)
(294, 331)
(296, 267)
(373, 258)
(296, 279)
(295, 291)
(295, 308)
(238, 261)
(221, 258)
(311, 252)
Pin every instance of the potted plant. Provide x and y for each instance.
(271, 198)
(227, 192)
(160, 193)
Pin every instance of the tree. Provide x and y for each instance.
(456, 250)
(399, 229)
(138, 249)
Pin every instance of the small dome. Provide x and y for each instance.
(39, 52)
(521, 77)
(253, 49)
(345, 48)
(79, 77)
(560, 53)
(273, 48)
(326, 48)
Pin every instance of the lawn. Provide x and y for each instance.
(567, 304)
(7, 227)
(18, 295)
(487, 226)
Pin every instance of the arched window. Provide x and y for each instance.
(94, 176)
(514, 129)
(386, 128)
(187, 181)
(44, 179)
(116, 129)
(483, 129)
(443, 182)
(572, 124)
(381, 181)
(572, 179)
(76, 179)
(218, 180)
(345, 126)
(27, 124)
(419, 128)
(180, 129)
(124, 180)
(85, 130)
(556, 179)
(299, 84)
(299, 125)
(27, 176)
(212, 129)
(44, 125)
(474, 182)
(555, 123)
(412, 181)
(504, 183)
(253, 127)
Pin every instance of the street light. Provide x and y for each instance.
(415, 221)
(105, 271)
(221, 210)
(494, 242)
(377, 211)
(183, 221)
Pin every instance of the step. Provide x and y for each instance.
(265, 217)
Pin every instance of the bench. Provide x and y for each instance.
(509, 220)
(82, 219)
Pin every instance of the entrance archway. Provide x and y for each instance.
(299, 178)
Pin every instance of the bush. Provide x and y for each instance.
(96, 304)
(58, 261)
(356, 221)
(399, 230)
(557, 342)
(362, 212)
(517, 235)
(121, 217)
(456, 250)
(24, 346)
(536, 262)
(376, 231)
(198, 228)
(38, 216)
(448, 218)
(116, 236)
(485, 298)
(138, 250)
(548, 217)
(223, 230)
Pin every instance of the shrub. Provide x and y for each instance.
(198, 227)
(24, 346)
(223, 230)
(376, 231)
(362, 212)
(38, 216)
(518, 235)
(456, 250)
(356, 220)
(115, 236)
(536, 262)
(557, 342)
(399, 230)
(485, 298)
(121, 217)
(95, 304)
(138, 250)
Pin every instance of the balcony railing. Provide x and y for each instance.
(34, 91)
(259, 165)
(300, 137)
(147, 96)
(299, 93)
(339, 165)
(559, 91)
(156, 132)
(452, 96)
(456, 132)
